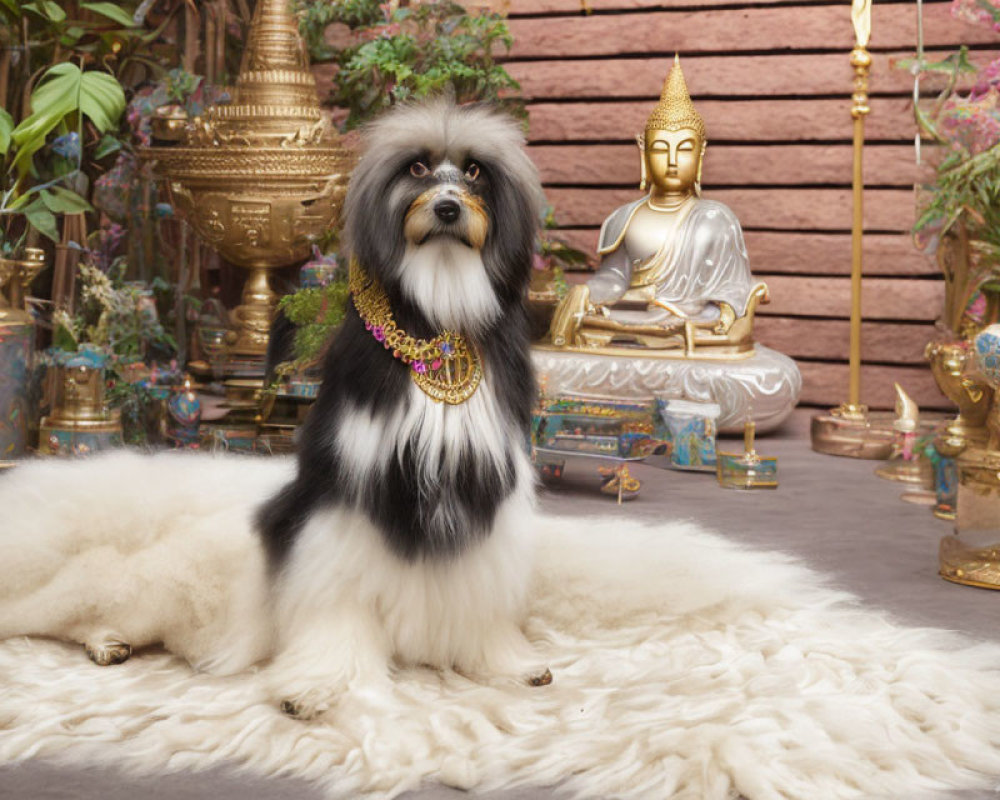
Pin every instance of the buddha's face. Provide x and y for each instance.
(672, 159)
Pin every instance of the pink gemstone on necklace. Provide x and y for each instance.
(436, 363)
(379, 333)
(419, 367)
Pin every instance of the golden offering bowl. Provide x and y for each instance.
(261, 208)
(262, 177)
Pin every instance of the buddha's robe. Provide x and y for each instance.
(704, 263)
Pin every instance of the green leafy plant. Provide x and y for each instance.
(399, 53)
(65, 97)
(316, 312)
(960, 209)
(63, 69)
(117, 315)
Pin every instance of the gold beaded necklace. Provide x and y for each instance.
(446, 368)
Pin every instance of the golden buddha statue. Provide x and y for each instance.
(674, 272)
(674, 284)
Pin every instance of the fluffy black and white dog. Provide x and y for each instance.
(404, 530)
(402, 534)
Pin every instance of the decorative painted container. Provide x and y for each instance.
(183, 418)
(16, 339)
(80, 422)
(597, 427)
(318, 271)
(987, 345)
(690, 429)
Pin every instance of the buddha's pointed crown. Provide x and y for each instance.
(675, 109)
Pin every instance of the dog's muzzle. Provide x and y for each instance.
(447, 210)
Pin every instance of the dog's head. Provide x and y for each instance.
(443, 210)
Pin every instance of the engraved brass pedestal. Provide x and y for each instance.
(263, 177)
(853, 431)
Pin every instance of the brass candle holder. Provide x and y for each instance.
(746, 470)
(262, 177)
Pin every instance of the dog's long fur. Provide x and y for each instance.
(403, 531)
(402, 534)
(431, 477)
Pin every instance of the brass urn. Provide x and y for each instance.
(262, 177)
(17, 341)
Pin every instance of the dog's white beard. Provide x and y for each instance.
(449, 283)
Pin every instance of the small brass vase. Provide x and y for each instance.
(80, 422)
(972, 554)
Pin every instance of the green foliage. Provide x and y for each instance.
(315, 312)
(315, 16)
(114, 314)
(65, 93)
(963, 200)
(412, 52)
(6, 128)
(62, 100)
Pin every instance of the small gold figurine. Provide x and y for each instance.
(618, 482)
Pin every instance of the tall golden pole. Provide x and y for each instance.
(849, 429)
(861, 60)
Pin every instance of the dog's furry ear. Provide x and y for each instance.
(370, 234)
(514, 201)
(514, 196)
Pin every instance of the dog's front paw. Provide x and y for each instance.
(540, 678)
(107, 653)
(308, 704)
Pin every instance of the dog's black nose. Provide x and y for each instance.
(447, 210)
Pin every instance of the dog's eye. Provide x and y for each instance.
(418, 169)
(472, 171)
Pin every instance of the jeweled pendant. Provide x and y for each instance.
(454, 380)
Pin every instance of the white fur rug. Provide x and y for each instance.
(683, 665)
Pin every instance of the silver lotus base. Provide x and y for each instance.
(764, 387)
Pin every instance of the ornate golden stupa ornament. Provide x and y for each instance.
(675, 110)
(446, 368)
(262, 177)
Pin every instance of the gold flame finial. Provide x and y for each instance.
(675, 109)
(275, 90)
(907, 412)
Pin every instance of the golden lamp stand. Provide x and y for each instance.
(260, 178)
(851, 429)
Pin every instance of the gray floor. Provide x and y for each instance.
(831, 512)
